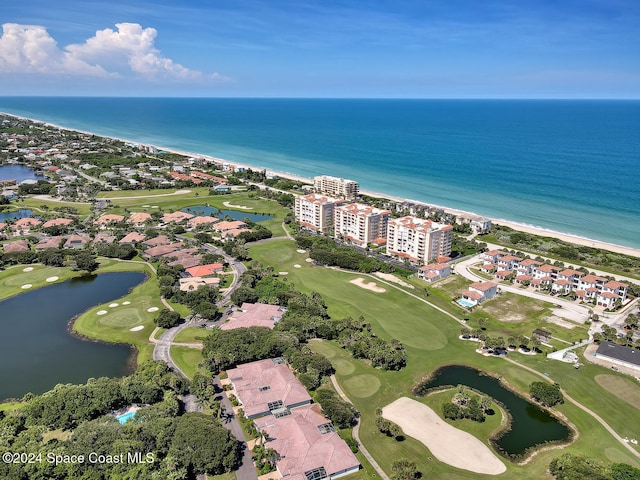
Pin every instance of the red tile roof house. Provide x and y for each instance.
(138, 219)
(267, 385)
(480, 291)
(23, 225)
(190, 284)
(509, 262)
(234, 232)
(56, 222)
(104, 238)
(225, 226)
(203, 220)
(107, 219)
(176, 217)
(16, 247)
(133, 237)
(308, 446)
(161, 250)
(49, 242)
(611, 293)
(157, 241)
(77, 241)
(492, 256)
(205, 270)
(433, 272)
(254, 315)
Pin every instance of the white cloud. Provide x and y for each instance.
(125, 52)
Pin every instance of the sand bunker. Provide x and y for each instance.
(301, 251)
(373, 286)
(101, 312)
(152, 309)
(297, 266)
(51, 279)
(113, 305)
(27, 285)
(27, 269)
(155, 206)
(231, 205)
(126, 303)
(393, 279)
(283, 273)
(180, 192)
(445, 442)
(136, 329)
(146, 206)
(309, 260)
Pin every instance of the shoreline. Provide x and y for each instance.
(532, 229)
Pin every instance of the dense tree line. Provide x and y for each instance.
(311, 368)
(341, 413)
(56, 257)
(579, 467)
(116, 250)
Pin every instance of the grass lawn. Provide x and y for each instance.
(192, 335)
(187, 359)
(8, 406)
(51, 206)
(430, 339)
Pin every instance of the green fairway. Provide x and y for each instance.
(430, 339)
(187, 359)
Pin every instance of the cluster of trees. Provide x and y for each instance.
(41, 187)
(611, 334)
(116, 250)
(342, 414)
(387, 427)
(467, 405)
(404, 470)
(546, 393)
(258, 232)
(201, 301)
(312, 368)
(324, 251)
(167, 319)
(579, 467)
(170, 445)
(225, 349)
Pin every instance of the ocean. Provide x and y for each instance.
(570, 166)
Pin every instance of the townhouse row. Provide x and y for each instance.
(307, 444)
(559, 280)
(414, 239)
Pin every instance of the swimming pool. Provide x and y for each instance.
(124, 418)
(466, 303)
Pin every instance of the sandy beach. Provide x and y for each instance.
(575, 239)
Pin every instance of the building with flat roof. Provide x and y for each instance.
(361, 224)
(308, 446)
(618, 354)
(267, 385)
(336, 187)
(315, 211)
(418, 240)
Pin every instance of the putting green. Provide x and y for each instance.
(343, 367)
(622, 388)
(362, 386)
(125, 317)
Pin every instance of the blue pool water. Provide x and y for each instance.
(125, 417)
(465, 303)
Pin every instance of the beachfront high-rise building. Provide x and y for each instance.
(336, 187)
(361, 224)
(418, 240)
(315, 211)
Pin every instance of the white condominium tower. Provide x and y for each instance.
(418, 240)
(336, 187)
(315, 211)
(361, 224)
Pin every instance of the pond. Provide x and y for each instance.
(530, 425)
(234, 214)
(18, 173)
(22, 213)
(38, 351)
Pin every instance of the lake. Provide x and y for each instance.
(22, 213)
(18, 173)
(530, 425)
(234, 214)
(38, 351)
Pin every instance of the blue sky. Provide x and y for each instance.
(299, 48)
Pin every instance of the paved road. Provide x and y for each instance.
(231, 423)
